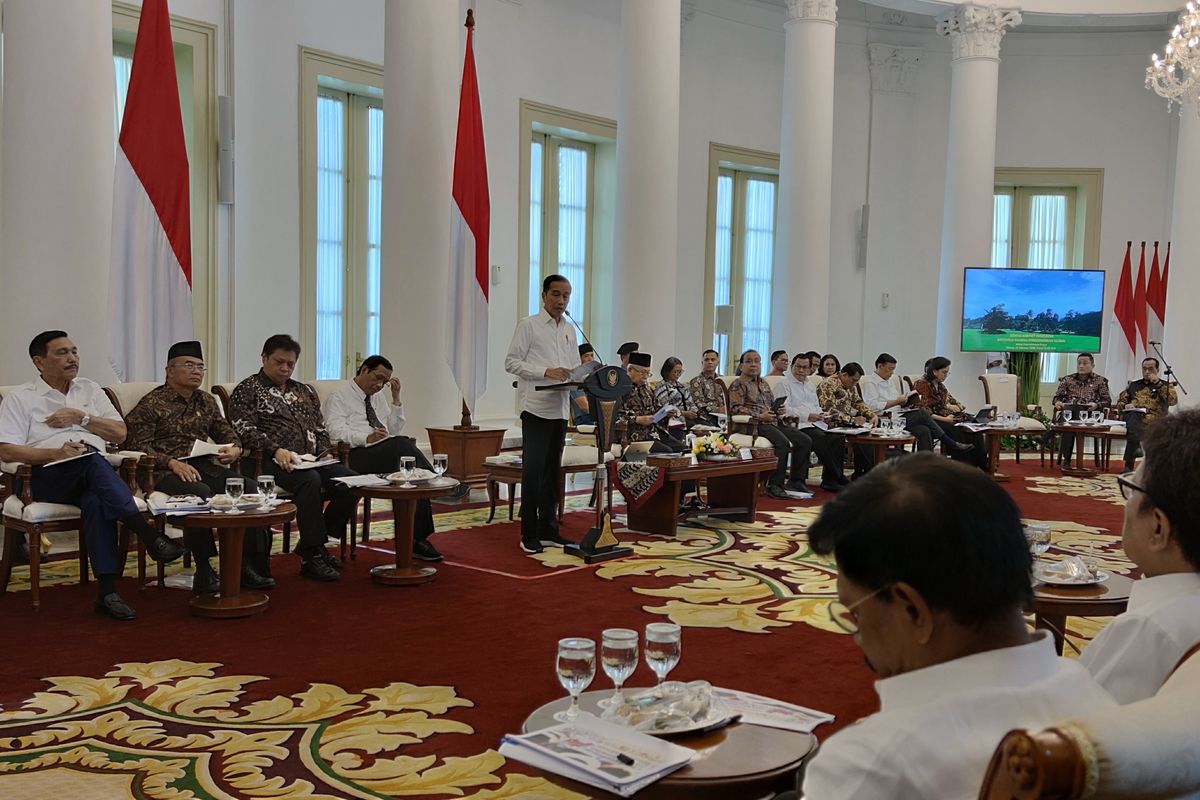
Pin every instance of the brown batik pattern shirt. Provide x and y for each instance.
(937, 398)
(640, 402)
(268, 417)
(163, 425)
(842, 405)
(1083, 389)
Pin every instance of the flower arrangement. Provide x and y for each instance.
(713, 445)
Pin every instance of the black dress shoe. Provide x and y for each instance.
(333, 560)
(319, 569)
(253, 580)
(163, 550)
(960, 447)
(554, 540)
(424, 551)
(206, 581)
(777, 492)
(531, 546)
(113, 606)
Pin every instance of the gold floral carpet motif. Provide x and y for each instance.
(1102, 487)
(179, 729)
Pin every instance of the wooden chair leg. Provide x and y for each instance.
(35, 567)
(366, 519)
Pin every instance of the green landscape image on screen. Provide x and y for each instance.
(1032, 310)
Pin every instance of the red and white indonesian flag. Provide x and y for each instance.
(1156, 299)
(467, 322)
(150, 282)
(1121, 360)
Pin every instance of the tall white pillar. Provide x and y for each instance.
(975, 33)
(420, 103)
(1183, 283)
(56, 156)
(800, 297)
(646, 241)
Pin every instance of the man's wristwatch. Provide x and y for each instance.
(87, 420)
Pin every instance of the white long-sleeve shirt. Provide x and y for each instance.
(799, 398)
(25, 408)
(1135, 653)
(538, 344)
(346, 414)
(937, 727)
(877, 391)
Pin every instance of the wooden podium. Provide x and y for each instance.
(465, 451)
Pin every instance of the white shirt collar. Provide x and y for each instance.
(544, 316)
(44, 388)
(358, 390)
(1008, 666)
(1150, 594)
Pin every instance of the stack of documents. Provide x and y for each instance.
(362, 480)
(177, 505)
(758, 710)
(598, 753)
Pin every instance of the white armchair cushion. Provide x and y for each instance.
(575, 454)
(744, 440)
(1027, 424)
(38, 512)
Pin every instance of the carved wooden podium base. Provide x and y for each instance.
(599, 543)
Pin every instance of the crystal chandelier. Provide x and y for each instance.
(1176, 76)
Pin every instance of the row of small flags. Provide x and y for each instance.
(1139, 315)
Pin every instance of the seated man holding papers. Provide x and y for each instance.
(282, 418)
(1141, 403)
(1135, 654)
(800, 402)
(843, 408)
(359, 413)
(933, 580)
(707, 393)
(751, 394)
(882, 394)
(165, 424)
(645, 416)
(61, 417)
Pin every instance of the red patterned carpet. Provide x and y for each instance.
(751, 598)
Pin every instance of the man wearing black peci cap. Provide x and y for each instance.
(624, 351)
(639, 409)
(163, 425)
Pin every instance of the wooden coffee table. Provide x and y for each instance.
(993, 436)
(732, 489)
(738, 761)
(1078, 453)
(1053, 604)
(404, 510)
(882, 444)
(231, 602)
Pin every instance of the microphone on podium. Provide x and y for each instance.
(595, 352)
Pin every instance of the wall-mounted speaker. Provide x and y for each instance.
(724, 321)
(224, 149)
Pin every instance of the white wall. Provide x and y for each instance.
(1065, 100)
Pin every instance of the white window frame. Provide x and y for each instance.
(742, 164)
(361, 83)
(551, 143)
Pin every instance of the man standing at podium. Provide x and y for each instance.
(542, 353)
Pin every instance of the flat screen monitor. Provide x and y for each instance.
(1032, 310)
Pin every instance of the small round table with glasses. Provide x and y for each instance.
(404, 510)
(231, 602)
(737, 761)
(882, 444)
(1078, 452)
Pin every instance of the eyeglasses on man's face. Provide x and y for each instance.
(191, 366)
(843, 615)
(1128, 487)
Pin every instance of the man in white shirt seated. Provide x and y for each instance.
(883, 394)
(1139, 650)
(359, 414)
(800, 402)
(933, 576)
(60, 415)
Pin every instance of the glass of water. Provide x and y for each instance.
(266, 485)
(440, 462)
(1038, 537)
(235, 487)
(406, 471)
(619, 657)
(663, 648)
(576, 665)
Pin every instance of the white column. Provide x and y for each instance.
(422, 69)
(800, 296)
(975, 33)
(1183, 282)
(646, 242)
(56, 156)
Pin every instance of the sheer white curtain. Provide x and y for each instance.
(121, 68)
(757, 266)
(374, 224)
(723, 253)
(331, 235)
(573, 193)
(1001, 229)
(535, 226)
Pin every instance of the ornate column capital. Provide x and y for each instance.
(818, 10)
(975, 31)
(894, 68)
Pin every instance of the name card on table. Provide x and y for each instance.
(744, 454)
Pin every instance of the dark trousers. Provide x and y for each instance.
(385, 457)
(103, 498)
(831, 452)
(921, 424)
(787, 440)
(1134, 424)
(257, 542)
(978, 456)
(541, 460)
(309, 487)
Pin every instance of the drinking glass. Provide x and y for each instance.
(576, 665)
(1038, 537)
(266, 485)
(619, 657)
(406, 471)
(440, 462)
(663, 648)
(235, 487)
